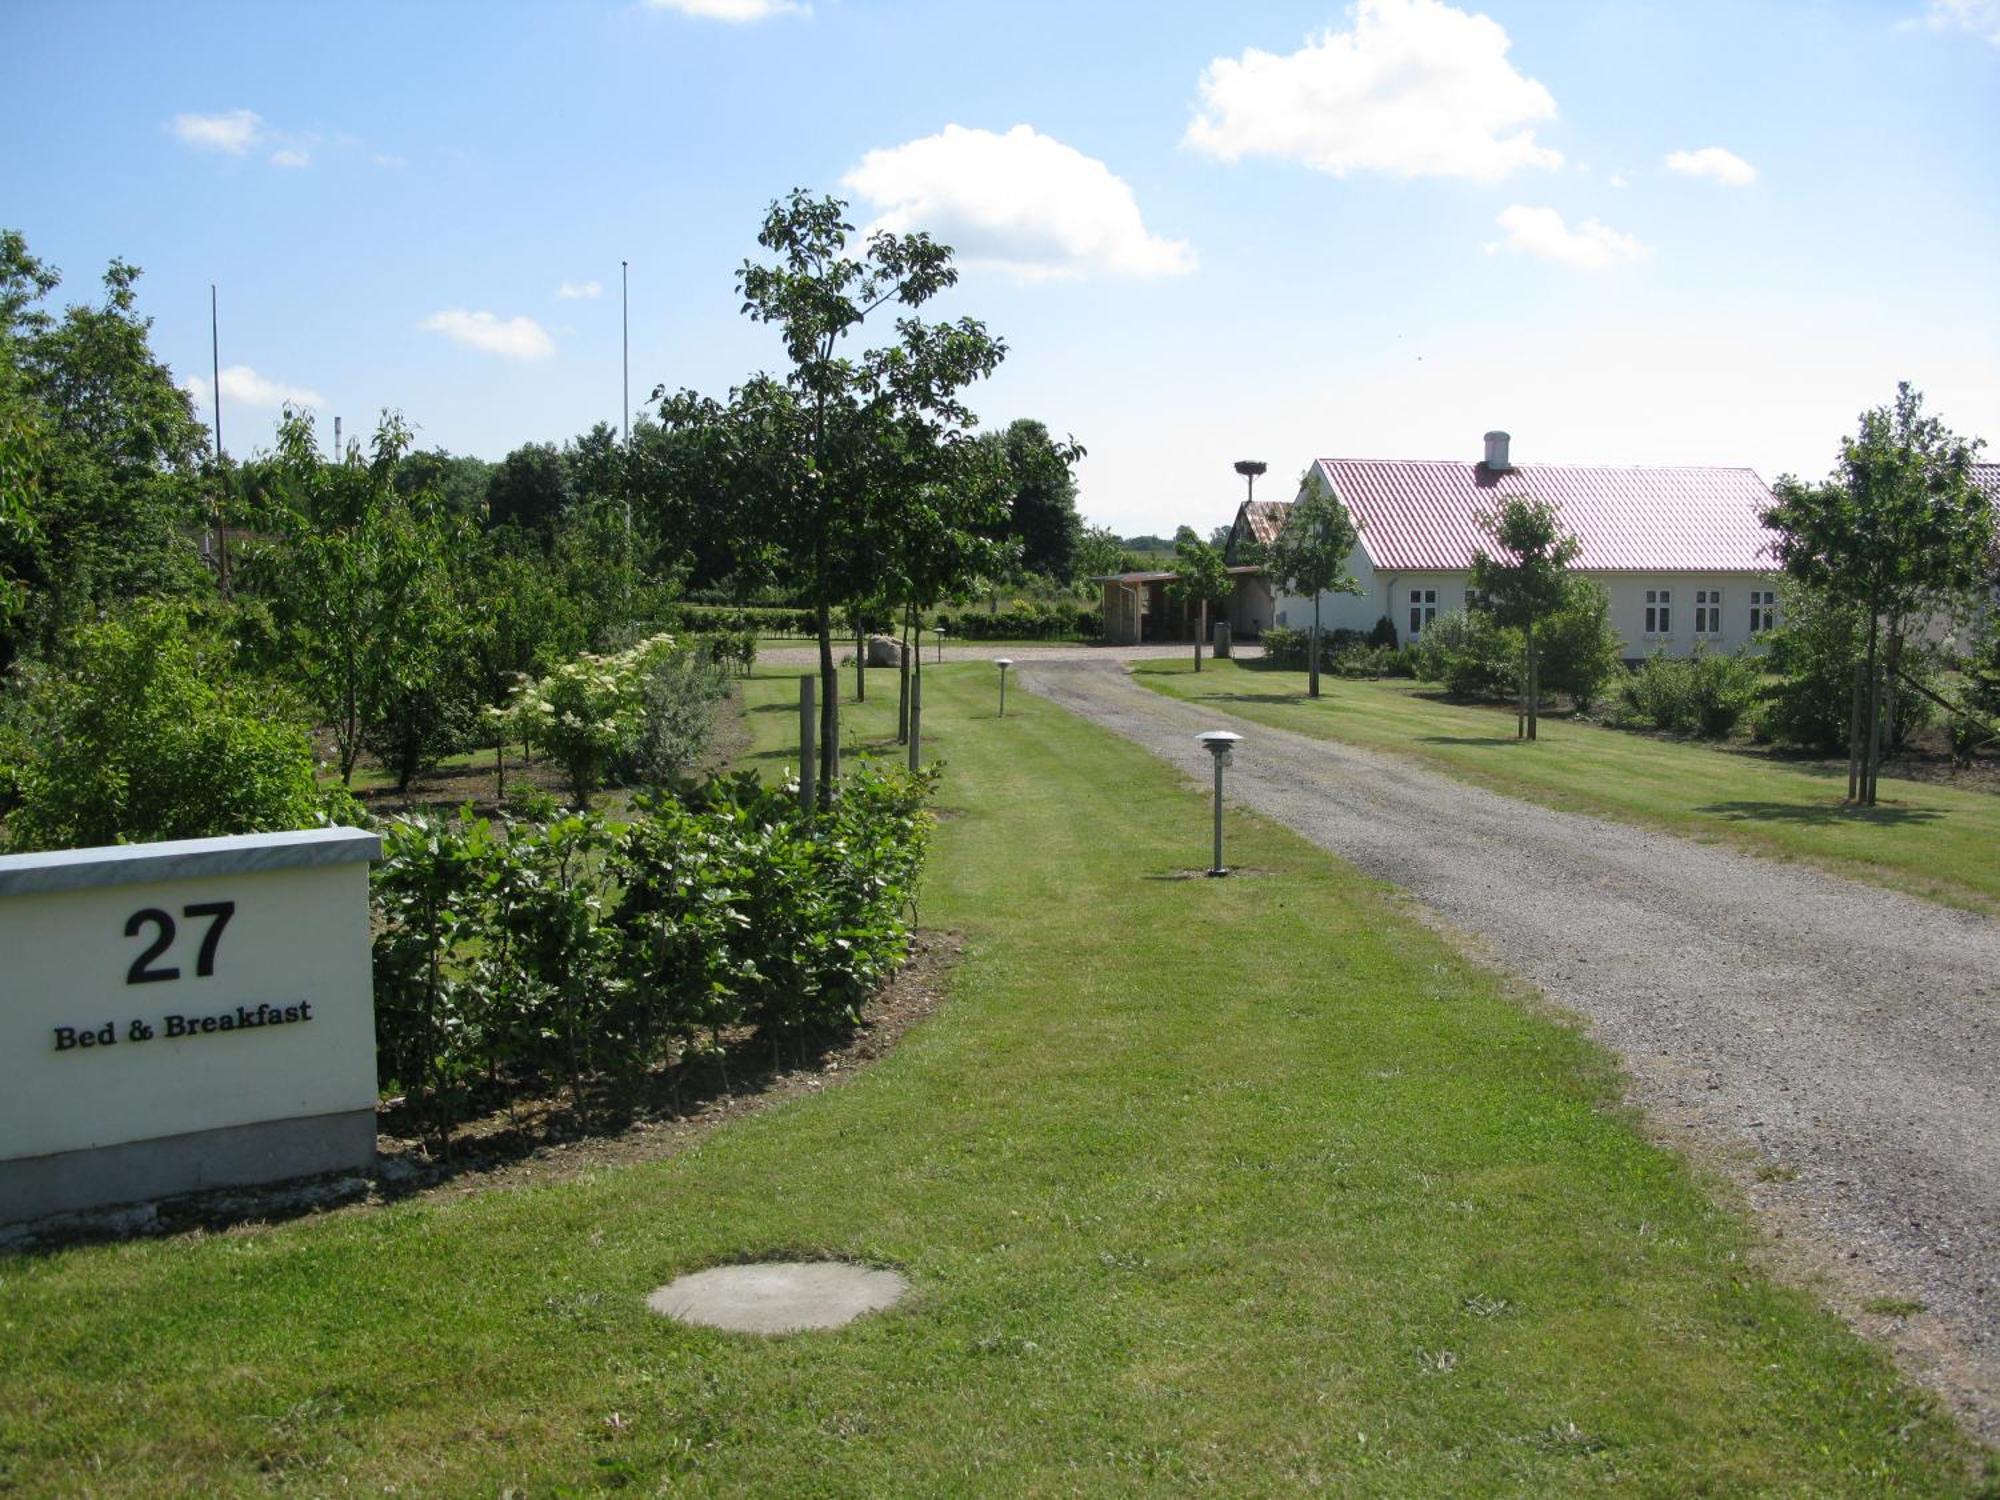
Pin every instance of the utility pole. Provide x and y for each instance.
(221, 481)
(625, 321)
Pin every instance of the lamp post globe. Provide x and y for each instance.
(1003, 663)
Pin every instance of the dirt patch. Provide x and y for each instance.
(548, 1139)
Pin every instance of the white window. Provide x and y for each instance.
(1659, 611)
(1708, 611)
(1423, 609)
(1474, 600)
(1763, 610)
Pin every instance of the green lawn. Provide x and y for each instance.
(1249, 1187)
(1932, 841)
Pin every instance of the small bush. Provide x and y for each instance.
(1701, 694)
(150, 738)
(1812, 656)
(1384, 634)
(677, 702)
(1577, 653)
(1471, 655)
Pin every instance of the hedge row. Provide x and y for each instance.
(1023, 622)
(581, 949)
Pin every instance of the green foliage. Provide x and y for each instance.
(1471, 654)
(1577, 652)
(530, 489)
(590, 712)
(1704, 694)
(1022, 622)
(1525, 580)
(1812, 656)
(100, 459)
(1100, 552)
(1040, 497)
(574, 948)
(677, 698)
(149, 739)
(1309, 555)
(358, 579)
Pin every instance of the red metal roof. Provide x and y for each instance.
(1423, 514)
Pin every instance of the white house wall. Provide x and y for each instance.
(1388, 594)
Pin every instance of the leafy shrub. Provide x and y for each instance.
(1471, 655)
(149, 739)
(1577, 652)
(1384, 634)
(1023, 622)
(1812, 656)
(589, 713)
(1702, 694)
(676, 714)
(573, 948)
(1339, 650)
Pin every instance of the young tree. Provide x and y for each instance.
(1200, 579)
(833, 452)
(1310, 554)
(356, 583)
(1099, 551)
(1525, 580)
(1897, 526)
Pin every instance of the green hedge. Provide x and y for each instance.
(579, 949)
(1023, 622)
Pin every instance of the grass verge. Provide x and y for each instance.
(1250, 1186)
(1931, 841)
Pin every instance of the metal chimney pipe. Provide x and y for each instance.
(1496, 451)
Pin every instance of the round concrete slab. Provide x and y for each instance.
(778, 1296)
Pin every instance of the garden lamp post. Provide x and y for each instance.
(1003, 663)
(939, 629)
(1217, 742)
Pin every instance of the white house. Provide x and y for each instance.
(1681, 552)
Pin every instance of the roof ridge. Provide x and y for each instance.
(1461, 463)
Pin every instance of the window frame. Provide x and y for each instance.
(1763, 611)
(1423, 610)
(1659, 614)
(1708, 613)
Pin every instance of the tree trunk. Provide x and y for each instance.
(860, 660)
(829, 694)
(1200, 629)
(1312, 663)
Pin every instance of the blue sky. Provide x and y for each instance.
(1628, 232)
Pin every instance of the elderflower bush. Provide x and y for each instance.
(590, 711)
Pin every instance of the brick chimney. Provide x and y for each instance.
(1496, 452)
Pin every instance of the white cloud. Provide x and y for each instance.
(1417, 88)
(1980, 18)
(734, 11)
(243, 386)
(289, 156)
(1023, 202)
(1541, 232)
(234, 131)
(1619, 179)
(514, 338)
(388, 159)
(573, 291)
(1712, 161)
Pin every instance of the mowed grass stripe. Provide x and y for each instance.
(1932, 841)
(1251, 1186)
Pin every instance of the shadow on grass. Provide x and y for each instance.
(1820, 814)
(1470, 739)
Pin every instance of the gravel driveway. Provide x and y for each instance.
(1774, 1020)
